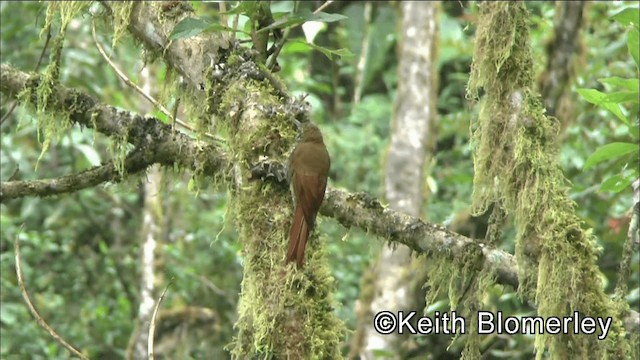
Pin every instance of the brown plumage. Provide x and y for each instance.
(308, 170)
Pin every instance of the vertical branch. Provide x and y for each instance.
(152, 323)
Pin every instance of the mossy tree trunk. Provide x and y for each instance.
(284, 312)
(516, 165)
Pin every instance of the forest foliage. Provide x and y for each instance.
(80, 251)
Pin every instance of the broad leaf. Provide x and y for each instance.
(298, 19)
(627, 84)
(599, 98)
(330, 53)
(610, 151)
(620, 97)
(247, 8)
(219, 27)
(616, 183)
(627, 16)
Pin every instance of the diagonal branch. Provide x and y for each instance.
(134, 86)
(364, 211)
(33, 310)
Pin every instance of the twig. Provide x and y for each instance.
(167, 148)
(133, 85)
(236, 19)
(323, 6)
(174, 115)
(364, 54)
(44, 49)
(32, 308)
(152, 324)
(280, 44)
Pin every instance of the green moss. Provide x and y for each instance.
(121, 19)
(464, 280)
(275, 295)
(118, 149)
(515, 164)
(52, 121)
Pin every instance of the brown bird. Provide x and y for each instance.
(308, 170)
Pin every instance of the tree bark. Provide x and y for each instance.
(411, 145)
(150, 241)
(563, 51)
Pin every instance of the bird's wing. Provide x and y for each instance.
(309, 192)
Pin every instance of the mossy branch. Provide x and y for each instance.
(154, 141)
(135, 162)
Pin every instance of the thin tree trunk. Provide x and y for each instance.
(411, 143)
(563, 50)
(150, 237)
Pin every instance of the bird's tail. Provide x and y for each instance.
(298, 236)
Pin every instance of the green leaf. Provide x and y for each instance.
(627, 16)
(162, 117)
(329, 53)
(188, 27)
(381, 41)
(592, 95)
(614, 108)
(632, 44)
(102, 246)
(627, 84)
(620, 97)
(191, 186)
(599, 98)
(326, 17)
(300, 18)
(297, 47)
(615, 184)
(609, 151)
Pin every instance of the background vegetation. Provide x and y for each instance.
(81, 251)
